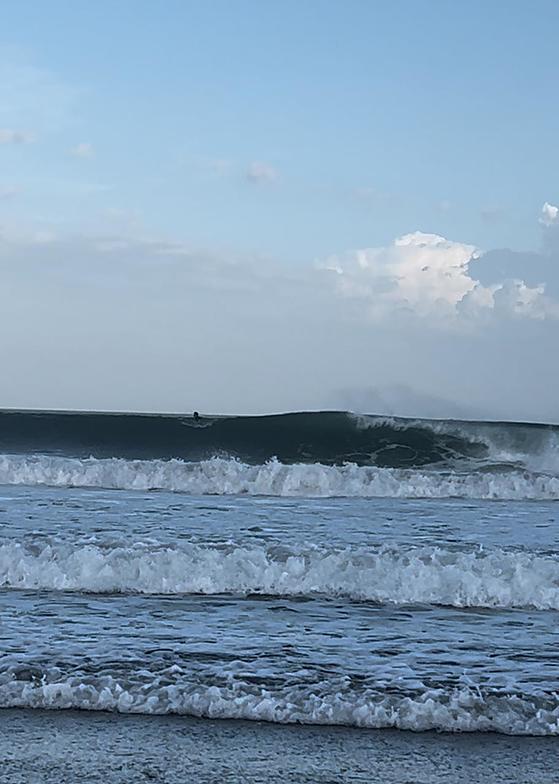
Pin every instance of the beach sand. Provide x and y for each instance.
(63, 747)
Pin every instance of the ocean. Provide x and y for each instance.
(319, 575)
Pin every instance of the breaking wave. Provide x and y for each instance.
(337, 701)
(328, 438)
(221, 476)
(495, 578)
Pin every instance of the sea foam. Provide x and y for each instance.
(399, 575)
(333, 702)
(220, 476)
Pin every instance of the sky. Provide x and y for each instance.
(249, 207)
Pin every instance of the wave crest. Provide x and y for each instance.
(335, 702)
(220, 476)
(389, 575)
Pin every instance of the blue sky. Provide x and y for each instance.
(295, 132)
(377, 117)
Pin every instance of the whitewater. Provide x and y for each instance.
(219, 476)
(318, 569)
(397, 576)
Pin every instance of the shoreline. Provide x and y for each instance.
(66, 746)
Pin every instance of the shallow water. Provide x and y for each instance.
(414, 614)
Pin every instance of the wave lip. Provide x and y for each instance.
(220, 476)
(497, 578)
(461, 709)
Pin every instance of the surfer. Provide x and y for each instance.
(196, 416)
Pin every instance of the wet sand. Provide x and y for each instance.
(66, 747)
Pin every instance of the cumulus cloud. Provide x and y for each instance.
(11, 136)
(429, 276)
(82, 150)
(550, 215)
(419, 272)
(259, 172)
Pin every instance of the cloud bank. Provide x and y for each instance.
(423, 326)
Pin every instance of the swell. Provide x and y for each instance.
(337, 701)
(330, 438)
(400, 576)
(220, 476)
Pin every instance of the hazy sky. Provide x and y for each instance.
(252, 206)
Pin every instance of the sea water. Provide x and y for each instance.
(384, 591)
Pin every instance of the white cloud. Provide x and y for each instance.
(11, 136)
(429, 276)
(259, 172)
(83, 150)
(421, 272)
(550, 215)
